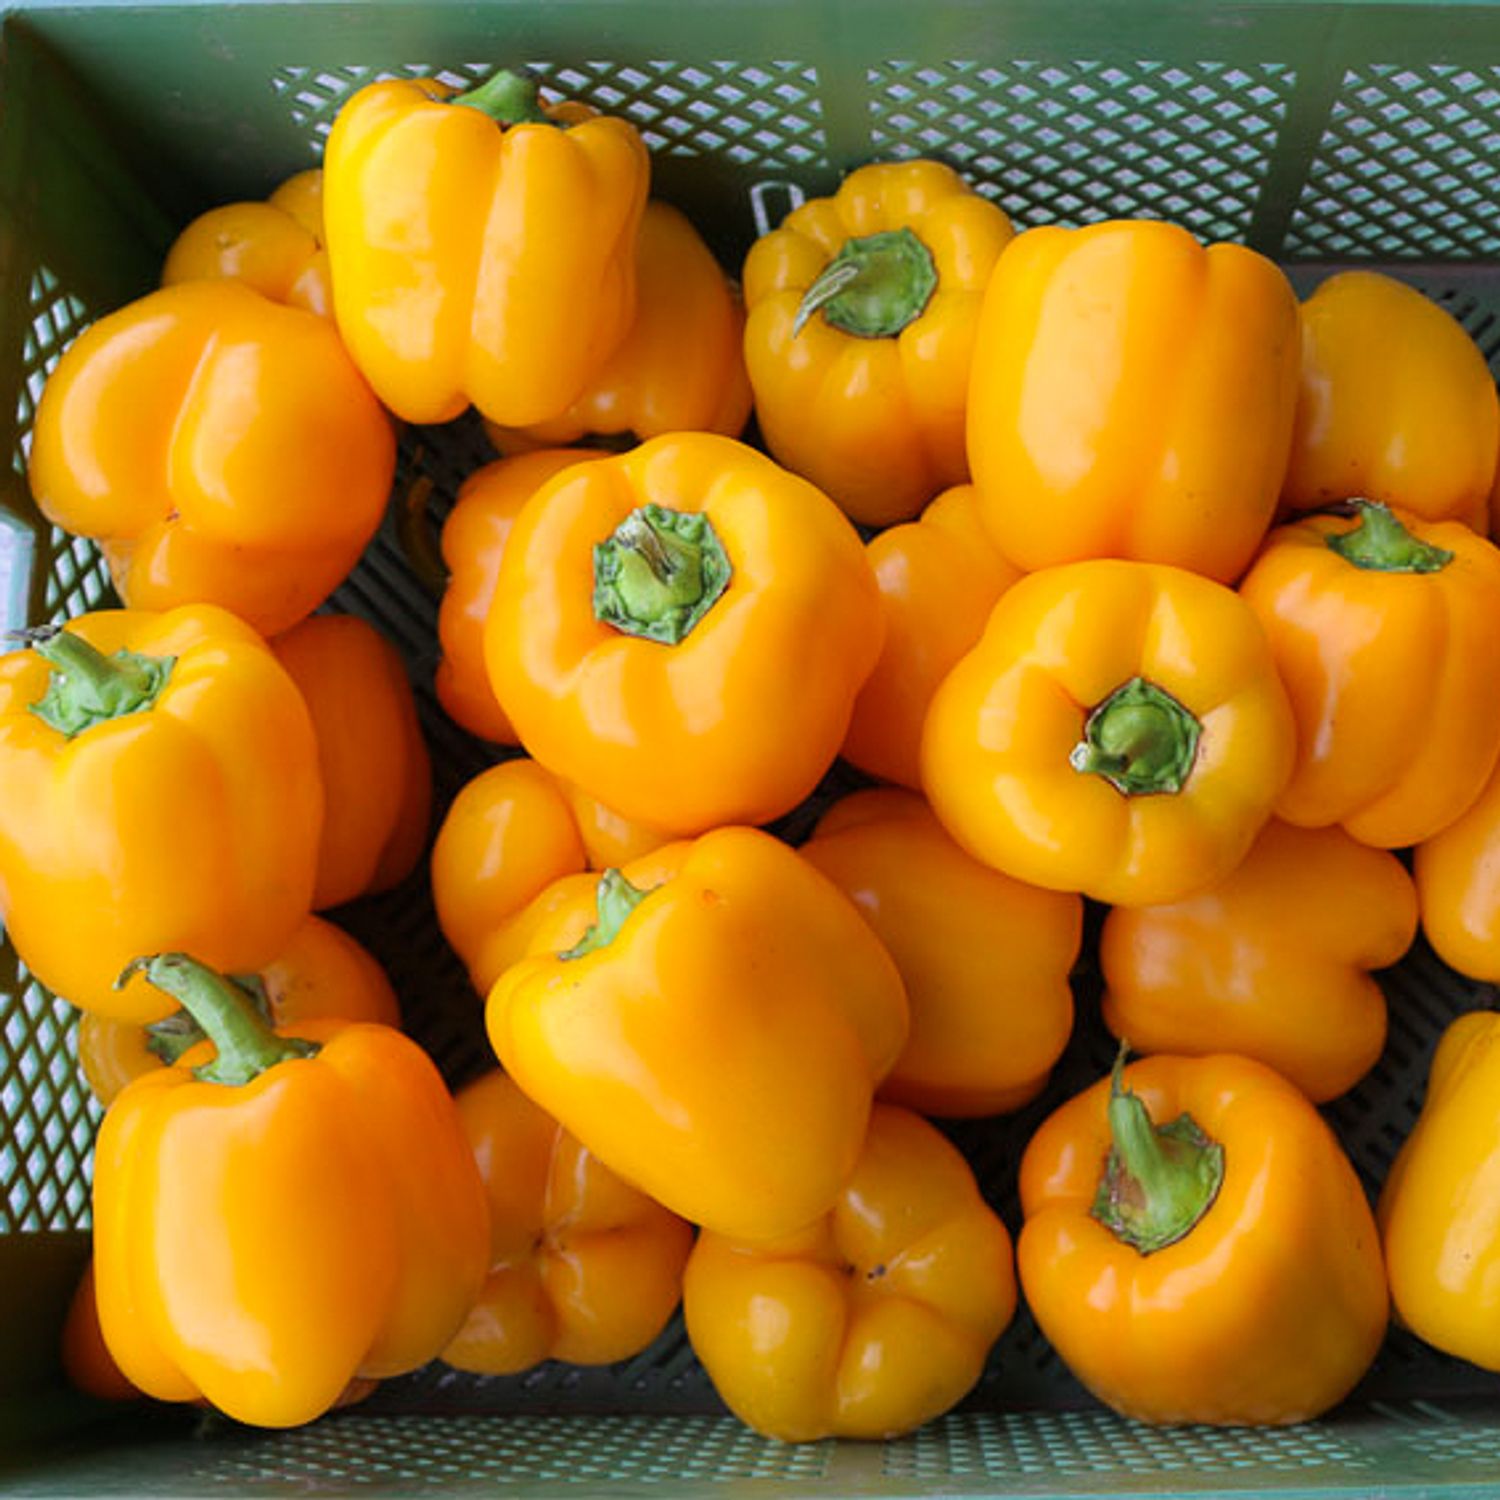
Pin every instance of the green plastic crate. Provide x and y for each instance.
(1319, 133)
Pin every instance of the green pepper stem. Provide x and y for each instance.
(874, 287)
(1140, 739)
(658, 573)
(1379, 542)
(616, 898)
(1158, 1181)
(507, 98)
(246, 1045)
(86, 687)
(168, 1039)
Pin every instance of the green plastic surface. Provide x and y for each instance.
(1316, 132)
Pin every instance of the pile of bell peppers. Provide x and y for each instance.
(1115, 573)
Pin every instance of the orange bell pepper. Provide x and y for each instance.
(221, 448)
(1119, 730)
(1133, 396)
(1386, 631)
(482, 246)
(86, 1360)
(323, 973)
(91, 1368)
(512, 835)
(680, 631)
(985, 959)
(583, 1268)
(681, 368)
(1396, 405)
(377, 776)
(1222, 1267)
(473, 542)
(299, 1211)
(862, 330)
(939, 578)
(1270, 963)
(158, 783)
(710, 1022)
(871, 1321)
(1458, 887)
(276, 247)
(1438, 1207)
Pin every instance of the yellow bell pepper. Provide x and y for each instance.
(482, 246)
(473, 543)
(680, 631)
(158, 784)
(985, 959)
(871, 1321)
(276, 247)
(1396, 405)
(503, 856)
(1119, 730)
(1272, 962)
(221, 448)
(1386, 632)
(711, 1022)
(1197, 1247)
(377, 775)
(1440, 1207)
(861, 331)
(322, 974)
(1133, 396)
(275, 1215)
(583, 1267)
(681, 368)
(939, 578)
(1458, 887)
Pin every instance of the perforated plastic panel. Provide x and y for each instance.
(1345, 132)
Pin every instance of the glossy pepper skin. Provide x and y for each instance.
(984, 958)
(1260, 1300)
(322, 974)
(1119, 730)
(680, 368)
(221, 448)
(583, 1267)
(473, 542)
(504, 857)
(680, 632)
(171, 795)
(1396, 404)
(1132, 396)
(862, 331)
(1386, 632)
(1458, 888)
(711, 1023)
(276, 247)
(377, 775)
(1272, 962)
(1437, 1209)
(939, 577)
(511, 295)
(297, 1212)
(871, 1321)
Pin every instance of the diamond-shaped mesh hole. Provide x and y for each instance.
(47, 1112)
(1079, 141)
(762, 115)
(53, 317)
(1408, 167)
